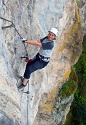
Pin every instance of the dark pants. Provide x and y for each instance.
(34, 65)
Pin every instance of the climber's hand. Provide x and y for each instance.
(24, 40)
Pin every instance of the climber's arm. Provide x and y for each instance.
(34, 42)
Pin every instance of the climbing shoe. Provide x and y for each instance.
(21, 86)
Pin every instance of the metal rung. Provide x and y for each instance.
(26, 92)
(7, 26)
(23, 57)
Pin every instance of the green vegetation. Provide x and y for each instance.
(77, 114)
(79, 3)
(70, 86)
(69, 120)
(79, 109)
(81, 71)
(63, 106)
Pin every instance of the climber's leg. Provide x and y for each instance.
(30, 68)
(25, 81)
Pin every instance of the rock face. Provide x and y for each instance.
(33, 19)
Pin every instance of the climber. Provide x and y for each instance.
(42, 58)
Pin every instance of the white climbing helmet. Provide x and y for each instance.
(54, 30)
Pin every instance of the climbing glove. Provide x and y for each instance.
(24, 40)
